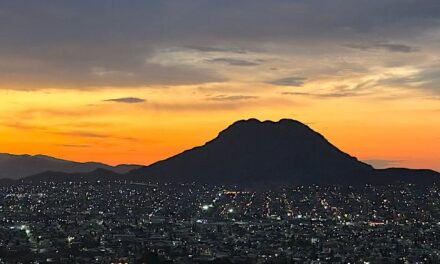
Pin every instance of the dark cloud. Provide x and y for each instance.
(85, 76)
(402, 48)
(217, 49)
(398, 48)
(338, 94)
(325, 95)
(289, 81)
(232, 97)
(94, 43)
(126, 100)
(234, 62)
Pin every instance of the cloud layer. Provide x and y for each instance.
(87, 45)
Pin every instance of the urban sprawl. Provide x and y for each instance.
(120, 222)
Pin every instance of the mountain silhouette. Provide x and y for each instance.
(253, 152)
(19, 166)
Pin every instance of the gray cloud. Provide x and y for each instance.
(426, 79)
(232, 97)
(398, 48)
(82, 43)
(359, 89)
(325, 95)
(402, 48)
(217, 49)
(126, 100)
(234, 62)
(289, 81)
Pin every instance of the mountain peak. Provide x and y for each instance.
(251, 151)
(255, 132)
(255, 121)
(253, 125)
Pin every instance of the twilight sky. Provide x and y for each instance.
(138, 81)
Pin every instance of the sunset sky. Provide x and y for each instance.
(139, 81)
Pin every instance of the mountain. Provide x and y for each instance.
(254, 152)
(19, 166)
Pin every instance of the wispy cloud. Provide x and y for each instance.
(325, 95)
(126, 100)
(85, 134)
(18, 124)
(216, 49)
(426, 78)
(391, 47)
(91, 134)
(234, 62)
(362, 88)
(398, 48)
(289, 81)
(74, 145)
(232, 97)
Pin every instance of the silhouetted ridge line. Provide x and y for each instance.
(261, 153)
(19, 166)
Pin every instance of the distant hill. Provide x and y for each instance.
(19, 166)
(393, 175)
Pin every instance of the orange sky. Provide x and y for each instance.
(80, 125)
(139, 81)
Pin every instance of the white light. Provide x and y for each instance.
(231, 210)
(205, 207)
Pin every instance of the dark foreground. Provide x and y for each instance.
(134, 223)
